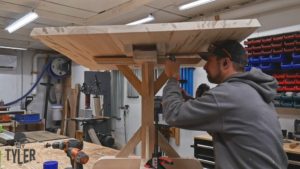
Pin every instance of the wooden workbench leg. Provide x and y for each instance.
(166, 147)
(160, 81)
(147, 109)
(129, 147)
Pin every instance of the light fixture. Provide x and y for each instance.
(194, 4)
(31, 16)
(15, 48)
(149, 18)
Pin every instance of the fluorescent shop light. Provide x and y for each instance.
(149, 18)
(31, 16)
(194, 4)
(15, 48)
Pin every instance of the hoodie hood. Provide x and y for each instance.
(264, 84)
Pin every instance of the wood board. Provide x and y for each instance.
(39, 136)
(115, 45)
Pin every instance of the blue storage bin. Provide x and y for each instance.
(296, 57)
(254, 59)
(267, 66)
(296, 65)
(255, 65)
(265, 59)
(277, 58)
(247, 68)
(287, 66)
(28, 118)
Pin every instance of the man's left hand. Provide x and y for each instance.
(172, 69)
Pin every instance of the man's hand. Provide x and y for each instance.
(172, 69)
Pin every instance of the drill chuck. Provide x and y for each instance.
(64, 145)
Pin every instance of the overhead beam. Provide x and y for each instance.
(5, 6)
(119, 10)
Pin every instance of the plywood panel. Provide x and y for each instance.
(43, 136)
(83, 43)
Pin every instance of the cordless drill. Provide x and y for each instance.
(73, 149)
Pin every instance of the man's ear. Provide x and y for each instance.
(225, 62)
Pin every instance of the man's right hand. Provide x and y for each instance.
(172, 69)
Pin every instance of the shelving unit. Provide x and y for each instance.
(279, 56)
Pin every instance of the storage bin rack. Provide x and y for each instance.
(278, 55)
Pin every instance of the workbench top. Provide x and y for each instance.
(45, 154)
(286, 145)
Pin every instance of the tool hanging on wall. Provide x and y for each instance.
(87, 92)
(125, 112)
(97, 98)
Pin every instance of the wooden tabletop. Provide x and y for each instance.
(103, 47)
(49, 154)
(290, 146)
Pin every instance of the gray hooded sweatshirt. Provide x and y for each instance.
(240, 114)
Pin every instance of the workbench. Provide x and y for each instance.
(146, 46)
(204, 151)
(45, 154)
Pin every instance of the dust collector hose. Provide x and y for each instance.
(46, 67)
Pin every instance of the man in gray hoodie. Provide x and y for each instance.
(238, 112)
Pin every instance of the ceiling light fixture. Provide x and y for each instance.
(194, 4)
(31, 16)
(15, 48)
(149, 18)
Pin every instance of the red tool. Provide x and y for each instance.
(73, 149)
(77, 157)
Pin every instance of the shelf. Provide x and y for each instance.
(12, 112)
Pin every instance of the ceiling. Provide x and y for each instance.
(54, 13)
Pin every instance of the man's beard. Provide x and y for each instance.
(217, 79)
(213, 80)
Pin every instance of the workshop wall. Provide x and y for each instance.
(14, 83)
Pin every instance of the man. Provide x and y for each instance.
(238, 111)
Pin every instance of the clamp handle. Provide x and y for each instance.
(172, 58)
